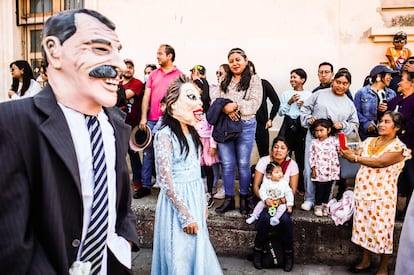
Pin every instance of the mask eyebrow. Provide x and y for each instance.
(103, 41)
(100, 41)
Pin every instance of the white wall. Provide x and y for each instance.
(277, 35)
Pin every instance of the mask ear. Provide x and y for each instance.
(52, 48)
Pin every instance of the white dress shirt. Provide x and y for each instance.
(81, 140)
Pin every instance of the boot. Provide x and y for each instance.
(243, 205)
(227, 205)
(257, 258)
(288, 261)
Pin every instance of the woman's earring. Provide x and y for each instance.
(378, 79)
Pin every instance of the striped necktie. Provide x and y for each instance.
(95, 240)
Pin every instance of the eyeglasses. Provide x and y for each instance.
(400, 41)
(324, 72)
(219, 73)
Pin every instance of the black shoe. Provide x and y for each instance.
(288, 262)
(243, 205)
(354, 269)
(399, 215)
(257, 258)
(210, 203)
(143, 192)
(227, 205)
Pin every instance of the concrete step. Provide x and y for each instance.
(316, 239)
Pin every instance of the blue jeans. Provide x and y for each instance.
(237, 152)
(148, 161)
(216, 172)
(136, 166)
(309, 186)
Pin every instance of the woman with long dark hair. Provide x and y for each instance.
(181, 240)
(280, 154)
(245, 91)
(23, 84)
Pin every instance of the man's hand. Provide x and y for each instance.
(142, 124)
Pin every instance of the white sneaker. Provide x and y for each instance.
(306, 205)
(274, 221)
(221, 194)
(318, 210)
(251, 219)
(208, 196)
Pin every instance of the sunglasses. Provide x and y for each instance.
(400, 41)
(219, 73)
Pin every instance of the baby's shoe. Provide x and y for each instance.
(251, 219)
(318, 210)
(274, 221)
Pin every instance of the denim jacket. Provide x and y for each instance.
(366, 104)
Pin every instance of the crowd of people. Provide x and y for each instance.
(193, 129)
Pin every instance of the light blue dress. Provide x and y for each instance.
(181, 201)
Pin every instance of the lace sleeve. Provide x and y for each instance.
(164, 161)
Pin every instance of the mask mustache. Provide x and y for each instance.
(104, 71)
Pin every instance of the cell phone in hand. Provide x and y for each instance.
(342, 141)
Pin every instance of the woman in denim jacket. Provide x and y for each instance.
(371, 100)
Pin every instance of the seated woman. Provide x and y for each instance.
(279, 153)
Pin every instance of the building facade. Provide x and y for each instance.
(277, 35)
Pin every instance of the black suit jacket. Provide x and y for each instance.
(41, 207)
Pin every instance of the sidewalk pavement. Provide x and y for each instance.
(141, 265)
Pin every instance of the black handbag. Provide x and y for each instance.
(290, 125)
(272, 254)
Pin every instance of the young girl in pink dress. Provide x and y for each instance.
(324, 162)
(209, 154)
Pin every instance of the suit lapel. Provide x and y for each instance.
(117, 120)
(56, 131)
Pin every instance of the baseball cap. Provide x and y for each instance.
(401, 35)
(380, 69)
(127, 60)
(199, 68)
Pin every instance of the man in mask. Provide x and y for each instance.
(65, 200)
